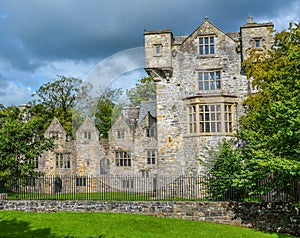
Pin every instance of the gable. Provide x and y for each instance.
(87, 124)
(119, 124)
(87, 131)
(55, 127)
(207, 28)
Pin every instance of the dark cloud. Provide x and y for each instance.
(34, 34)
(80, 29)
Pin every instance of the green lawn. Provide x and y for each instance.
(64, 224)
(116, 196)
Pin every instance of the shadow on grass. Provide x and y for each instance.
(21, 229)
(15, 228)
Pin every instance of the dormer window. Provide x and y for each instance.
(151, 132)
(120, 134)
(87, 135)
(54, 134)
(207, 45)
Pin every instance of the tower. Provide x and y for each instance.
(255, 36)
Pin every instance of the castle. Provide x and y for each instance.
(200, 88)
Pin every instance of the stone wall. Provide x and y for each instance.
(275, 217)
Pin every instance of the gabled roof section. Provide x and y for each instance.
(88, 123)
(55, 126)
(119, 123)
(150, 119)
(147, 107)
(206, 21)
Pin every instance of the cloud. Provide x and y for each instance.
(13, 93)
(116, 66)
(17, 86)
(42, 39)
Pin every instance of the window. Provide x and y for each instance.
(210, 80)
(257, 43)
(192, 119)
(87, 135)
(127, 183)
(36, 162)
(104, 166)
(206, 45)
(209, 118)
(81, 181)
(151, 156)
(228, 118)
(30, 182)
(151, 132)
(120, 134)
(63, 160)
(157, 49)
(145, 174)
(54, 134)
(205, 118)
(122, 158)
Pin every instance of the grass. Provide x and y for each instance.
(111, 196)
(116, 196)
(108, 225)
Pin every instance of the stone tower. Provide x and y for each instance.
(199, 89)
(158, 46)
(255, 36)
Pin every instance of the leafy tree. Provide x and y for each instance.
(20, 144)
(271, 127)
(144, 90)
(59, 99)
(270, 130)
(107, 110)
(223, 164)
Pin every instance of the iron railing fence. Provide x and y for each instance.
(139, 188)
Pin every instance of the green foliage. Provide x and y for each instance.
(144, 90)
(59, 99)
(107, 110)
(20, 144)
(224, 163)
(271, 127)
(270, 131)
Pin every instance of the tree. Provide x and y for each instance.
(144, 90)
(20, 144)
(272, 124)
(58, 99)
(269, 135)
(223, 164)
(107, 110)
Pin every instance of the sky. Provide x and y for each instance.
(101, 41)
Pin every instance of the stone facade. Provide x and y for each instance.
(81, 156)
(200, 88)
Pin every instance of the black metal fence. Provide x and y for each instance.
(139, 188)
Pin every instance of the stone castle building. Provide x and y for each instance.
(200, 88)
